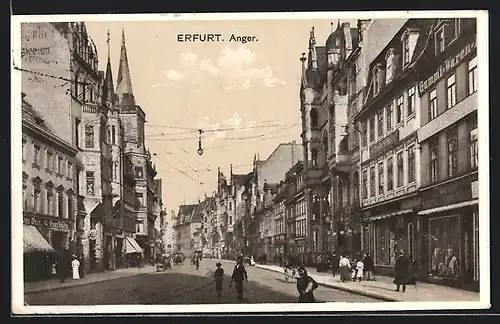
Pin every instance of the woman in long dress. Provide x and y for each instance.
(345, 269)
(75, 265)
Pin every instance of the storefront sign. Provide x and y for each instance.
(448, 194)
(448, 64)
(474, 187)
(40, 222)
(92, 234)
(449, 117)
(379, 147)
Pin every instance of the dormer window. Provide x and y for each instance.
(376, 85)
(406, 50)
(445, 33)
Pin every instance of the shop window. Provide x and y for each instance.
(372, 181)
(433, 105)
(381, 178)
(452, 146)
(389, 110)
(89, 136)
(400, 169)
(473, 144)
(472, 76)
(434, 160)
(372, 129)
(90, 178)
(444, 242)
(390, 174)
(451, 92)
(380, 123)
(411, 101)
(364, 134)
(399, 109)
(411, 163)
(365, 184)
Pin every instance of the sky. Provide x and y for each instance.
(245, 95)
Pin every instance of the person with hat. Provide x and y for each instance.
(305, 286)
(239, 275)
(401, 269)
(219, 277)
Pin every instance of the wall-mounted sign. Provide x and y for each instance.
(93, 234)
(449, 117)
(47, 223)
(379, 147)
(447, 65)
(474, 187)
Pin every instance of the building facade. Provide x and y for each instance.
(49, 196)
(448, 137)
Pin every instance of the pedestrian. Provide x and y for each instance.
(219, 278)
(197, 262)
(335, 263)
(369, 266)
(401, 269)
(63, 265)
(81, 269)
(359, 270)
(75, 265)
(345, 268)
(305, 286)
(239, 275)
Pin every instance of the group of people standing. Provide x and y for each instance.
(359, 269)
(64, 265)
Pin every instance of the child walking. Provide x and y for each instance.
(219, 278)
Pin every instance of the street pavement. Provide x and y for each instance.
(183, 285)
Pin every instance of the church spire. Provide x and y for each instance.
(123, 82)
(108, 88)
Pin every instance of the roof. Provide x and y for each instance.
(197, 214)
(242, 179)
(28, 113)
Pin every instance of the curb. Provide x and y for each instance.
(35, 291)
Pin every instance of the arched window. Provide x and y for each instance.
(355, 186)
(314, 118)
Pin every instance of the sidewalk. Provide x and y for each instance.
(384, 289)
(55, 284)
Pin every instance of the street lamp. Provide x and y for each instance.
(200, 149)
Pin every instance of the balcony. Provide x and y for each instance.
(90, 108)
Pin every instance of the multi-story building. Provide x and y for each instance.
(390, 160)
(448, 220)
(69, 54)
(239, 183)
(324, 117)
(280, 230)
(168, 231)
(159, 218)
(133, 118)
(183, 234)
(265, 214)
(50, 169)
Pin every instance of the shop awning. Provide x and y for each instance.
(132, 246)
(398, 213)
(34, 241)
(449, 207)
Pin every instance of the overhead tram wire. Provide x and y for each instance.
(211, 130)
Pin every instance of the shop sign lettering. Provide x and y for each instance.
(448, 64)
(379, 147)
(38, 222)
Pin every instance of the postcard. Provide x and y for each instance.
(270, 162)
